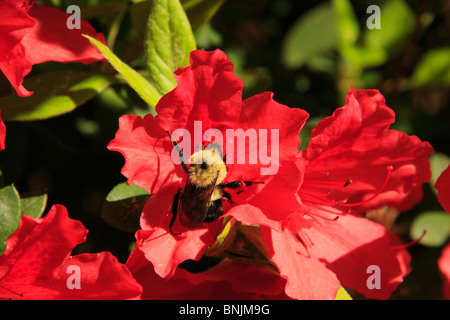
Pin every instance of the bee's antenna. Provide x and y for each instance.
(180, 152)
(170, 136)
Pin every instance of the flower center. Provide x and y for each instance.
(320, 192)
(321, 195)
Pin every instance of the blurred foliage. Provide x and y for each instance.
(307, 52)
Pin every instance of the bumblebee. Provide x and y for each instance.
(201, 198)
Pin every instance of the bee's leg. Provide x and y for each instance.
(175, 204)
(226, 196)
(240, 184)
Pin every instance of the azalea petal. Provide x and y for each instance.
(350, 154)
(51, 40)
(255, 204)
(165, 250)
(147, 151)
(158, 209)
(278, 138)
(36, 262)
(38, 35)
(102, 277)
(306, 277)
(402, 254)
(209, 285)
(15, 24)
(349, 246)
(364, 114)
(244, 278)
(443, 187)
(155, 287)
(207, 91)
(33, 243)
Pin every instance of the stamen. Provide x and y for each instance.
(326, 212)
(317, 199)
(388, 175)
(331, 219)
(409, 244)
(330, 209)
(322, 184)
(306, 242)
(13, 292)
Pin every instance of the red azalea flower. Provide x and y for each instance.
(37, 263)
(2, 133)
(32, 34)
(209, 93)
(354, 162)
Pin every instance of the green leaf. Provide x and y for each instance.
(433, 69)
(123, 206)
(9, 214)
(55, 93)
(364, 57)
(33, 205)
(200, 12)
(342, 295)
(437, 227)
(347, 23)
(392, 34)
(169, 42)
(377, 44)
(313, 33)
(143, 88)
(348, 34)
(207, 37)
(124, 191)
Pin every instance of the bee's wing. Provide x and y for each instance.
(194, 204)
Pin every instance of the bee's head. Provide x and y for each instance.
(207, 166)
